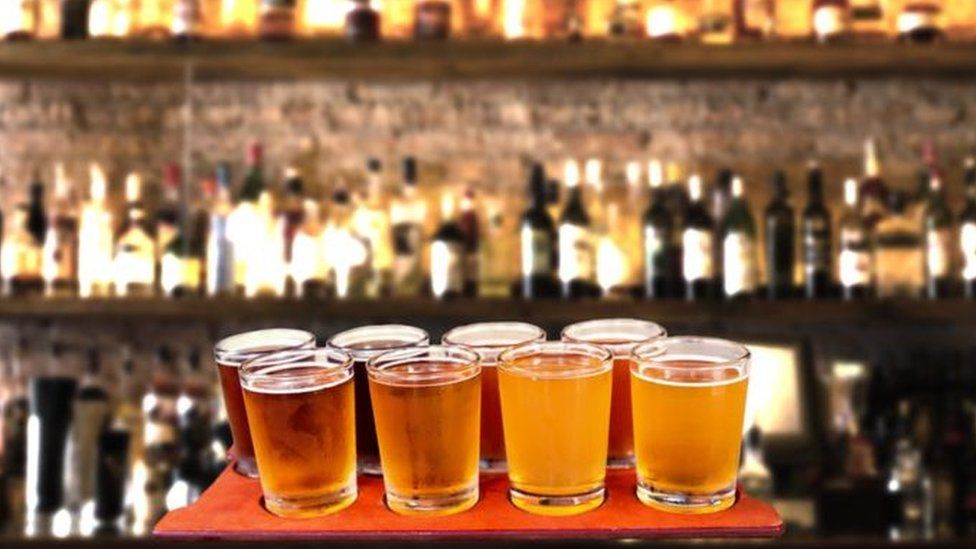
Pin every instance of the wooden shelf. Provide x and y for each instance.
(335, 59)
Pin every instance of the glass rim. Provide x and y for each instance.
(234, 350)
(650, 355)
(264, 373)
(604, 327)
(561, 348)
(454, 365)
(412, 337)
(451, 336)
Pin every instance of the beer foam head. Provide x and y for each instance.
(556, 360)
(691, 361)
(489, 339)
(619, 335)
(236, 349)
(296, 371)
(367, 341)
(424, 366)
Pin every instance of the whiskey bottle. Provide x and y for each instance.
(537, 238)
(134, 266)
(576, 253)
(697, 267)
(660, 235)
(407, 215)
(59, 261)
(855, 262)
(738, 237)
(937, 235)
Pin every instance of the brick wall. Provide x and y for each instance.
(483, 131)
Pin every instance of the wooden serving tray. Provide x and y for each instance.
(231, 509)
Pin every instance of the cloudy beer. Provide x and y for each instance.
(619, 336)
(426, 404)
(489, 339)
(230, 353)
(300, 409)
(689, 399)
(556, 413)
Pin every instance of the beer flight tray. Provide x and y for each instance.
(231, 509)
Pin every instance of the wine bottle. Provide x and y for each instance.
(856, 262)
(59, 264)
(697, 267)
(780, 232)
(967, 230)
(937, 234)
(659, 238)
(576, 254)
(738, 237)
(537, 237)
(817, 239)
(447, 254)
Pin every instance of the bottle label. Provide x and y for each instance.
(536, 251)
(937, 256)
(967, 240)
(697, 263)
(855, 260)
(829, 20)
(576, 258)
(446, 273)
(134, 264)
(816, 245)
(176, 272)
(738, 264)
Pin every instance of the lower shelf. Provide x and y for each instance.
(231, 509)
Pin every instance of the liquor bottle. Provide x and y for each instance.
(831, 20)
(59, 261)
(471, 229)
(817, 239)
(362, 22)
(537, 237)
(220, 248)
(898, 252)
(346, 251)
(626, 19)
(22, 247)
(308, 266)
(576, 254)
(664, 22)
(276, 20)
(134, 266)
(259, 266)
(967, 230)
(101, 15)
(715, 22)
(407, 214)
(21, 21)
(432, 20)
(697, 267)
(873, 194)
(181, 266)
(753, 19)
(738, 237)
(291, 209)
(855, 264)
(74, 19)
(921, 21)
(151, 20)
(721, 197)
(937, 234)
(780, 232)
(447, 254)
(660, 236)
(95, 240)
(188, 20)
(168, 214)
(868, 19)
(91, 412)
(372, 220)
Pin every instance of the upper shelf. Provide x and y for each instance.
(335, 59)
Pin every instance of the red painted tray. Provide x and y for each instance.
(232, 509)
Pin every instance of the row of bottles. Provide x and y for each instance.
(668, 238)
(711, 21)
(92, 446)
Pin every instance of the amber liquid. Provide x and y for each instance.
(428, 439)
(305, 445)
(621, 445)
(230, 385)
(688, 429)
(492, 439)
(556, 428)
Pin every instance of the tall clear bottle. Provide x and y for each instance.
(346, 251)
(697, 267)
(308, 267)
(408, 213)
(738, 233)
(967, 230)
(447, 253)
(372, 220)
(855, 263)
(660, 236)
(59, 261)
(537, 240)
(937, 232)
(577, 261)
(220, 248)
(134, 266)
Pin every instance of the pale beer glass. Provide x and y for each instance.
(427, 408)
(556, 413)
(489, 339)
(300, 406)
(689, 397)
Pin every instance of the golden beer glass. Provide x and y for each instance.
(489, 339)
(556, 414)
(363, 343)
(619, 336)
(301, 412)
(427, 408)
(230, 353)
(689, 397)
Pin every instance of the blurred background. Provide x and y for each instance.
(793, 174)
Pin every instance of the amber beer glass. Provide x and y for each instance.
(556, 412)
(619, 336)
(230, 353)
(689, 397)
(427, 406)
(300, 408)
(363, 343)
(489, 339)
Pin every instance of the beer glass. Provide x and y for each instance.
(230, 353)
(427, 407)
(619, 336)
(689, 397)
(300, 408)
(489, 339)
(363, 343)
(556, 415)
